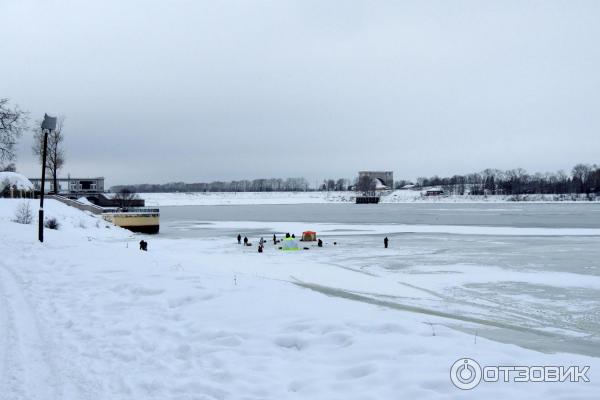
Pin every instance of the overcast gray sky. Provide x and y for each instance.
(157, 91)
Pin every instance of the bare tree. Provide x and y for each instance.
(125, 197)
(341, 184)
(10, 167)
(330, 184)
(365, 184)
(12, 123)
(23, 214)
(55, 155)
(581, 174)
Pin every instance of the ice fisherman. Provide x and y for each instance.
(239, 238)
(385, 242)
(320, 243)
(245, 240)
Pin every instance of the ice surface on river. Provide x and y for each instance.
(534, 285)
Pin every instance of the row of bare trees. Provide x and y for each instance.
(256, 185)
(333, 185)
(13, 122)
(583, 179)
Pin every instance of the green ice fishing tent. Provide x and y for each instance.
(288, 244)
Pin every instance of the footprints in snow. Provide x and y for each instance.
(328, 340)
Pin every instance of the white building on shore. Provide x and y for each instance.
(71, 185)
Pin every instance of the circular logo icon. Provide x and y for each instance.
(465, 373)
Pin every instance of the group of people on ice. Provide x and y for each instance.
(289, 242)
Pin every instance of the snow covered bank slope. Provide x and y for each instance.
(73, 223)
(86, 315)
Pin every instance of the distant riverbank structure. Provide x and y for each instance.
(88, 194)
(71, 185)
(135, 219)
(375, 180)
(372, 184)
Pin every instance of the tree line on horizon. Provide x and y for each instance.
(583, 179)
(255, 185)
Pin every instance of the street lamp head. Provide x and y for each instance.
(49, 123)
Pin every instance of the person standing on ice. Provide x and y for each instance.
(274, 239)
(245, 240)
(385, 242)
(239, 239)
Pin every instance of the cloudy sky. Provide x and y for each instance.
(157, 91)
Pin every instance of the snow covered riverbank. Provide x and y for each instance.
(397, 196)
(86, 315)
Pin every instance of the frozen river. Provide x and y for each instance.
(539, 289)
(551, 215)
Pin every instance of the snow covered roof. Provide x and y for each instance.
(380, 185)
(14, 179)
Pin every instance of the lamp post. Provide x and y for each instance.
(49, 124)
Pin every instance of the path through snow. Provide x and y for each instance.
(27, 368)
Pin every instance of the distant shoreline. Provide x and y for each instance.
(395, 197)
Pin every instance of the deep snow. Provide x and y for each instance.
(86, 315)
